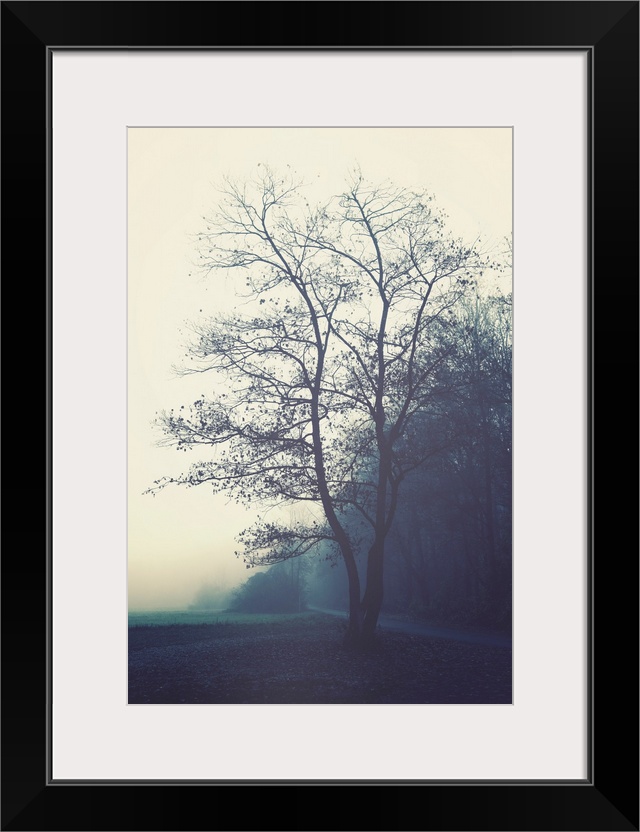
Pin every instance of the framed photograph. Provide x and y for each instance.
(165, 157)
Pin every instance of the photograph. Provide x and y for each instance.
(319, 415)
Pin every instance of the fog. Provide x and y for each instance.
(183, 539)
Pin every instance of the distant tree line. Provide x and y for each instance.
(279, 589)
(449, 547)
(210, 597)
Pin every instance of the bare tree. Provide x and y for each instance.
(333, 352)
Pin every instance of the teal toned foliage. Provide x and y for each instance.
(340, 364)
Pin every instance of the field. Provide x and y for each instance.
(229, 658)
(166, 618)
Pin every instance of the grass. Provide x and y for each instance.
(299, 658)
(164, 618)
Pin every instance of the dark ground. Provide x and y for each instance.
(304, 662)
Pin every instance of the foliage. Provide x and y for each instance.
(338, 361)
(279, 589)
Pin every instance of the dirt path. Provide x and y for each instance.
(421, 628)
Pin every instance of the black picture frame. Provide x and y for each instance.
(608, 798)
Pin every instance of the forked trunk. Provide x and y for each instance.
(372, 601)
(354, 628)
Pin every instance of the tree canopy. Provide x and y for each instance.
(340, 363)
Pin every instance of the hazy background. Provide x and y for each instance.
(181, 539)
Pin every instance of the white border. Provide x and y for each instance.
(95, 734)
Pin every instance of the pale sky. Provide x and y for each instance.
(182, 538)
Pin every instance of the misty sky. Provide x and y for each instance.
(181, 538)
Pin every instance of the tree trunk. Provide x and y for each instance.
(354, 628)
(372, 601)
